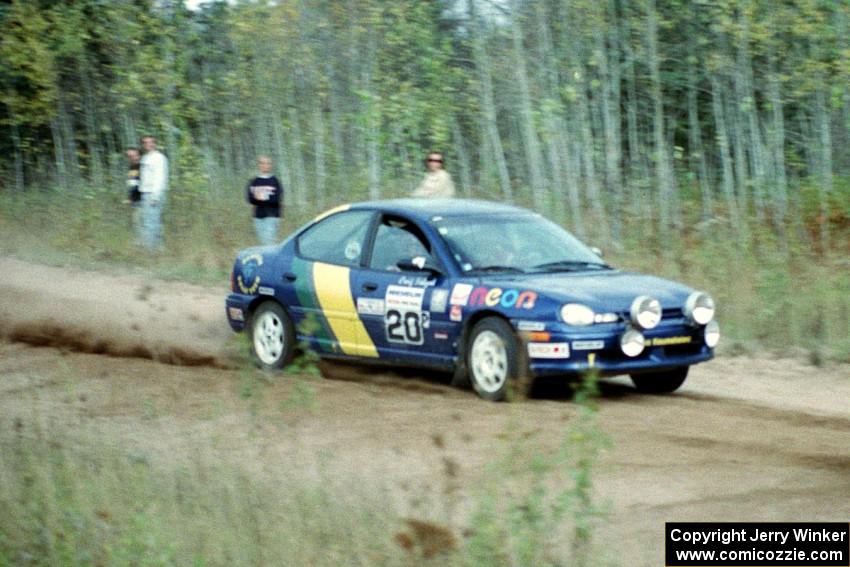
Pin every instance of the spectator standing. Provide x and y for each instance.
(264, 193)
(437, 182)
(134, 196)
(153, 186)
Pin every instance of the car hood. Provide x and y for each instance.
(604, 291)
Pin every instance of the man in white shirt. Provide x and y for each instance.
(153, 186)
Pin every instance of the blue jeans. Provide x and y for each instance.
(150, 233)
(267, 230)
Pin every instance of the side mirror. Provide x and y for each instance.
(596, 251)
(419, 264)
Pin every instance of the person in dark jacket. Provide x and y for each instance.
(134, 196)
(264, 192)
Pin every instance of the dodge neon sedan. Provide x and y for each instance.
(489, 291)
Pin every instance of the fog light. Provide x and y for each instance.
(712, 334)
(632, 342)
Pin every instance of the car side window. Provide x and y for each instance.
(397, 240)
(338, 239)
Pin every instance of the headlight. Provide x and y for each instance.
(577, 314)
(646, 312)
(699, 308)
(631, 342)
(712, 334)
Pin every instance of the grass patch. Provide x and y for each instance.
(83, 497)
(81, 502)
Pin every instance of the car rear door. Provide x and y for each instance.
(323, 274)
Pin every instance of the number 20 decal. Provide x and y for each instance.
(404, 327)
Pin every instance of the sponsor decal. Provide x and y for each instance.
(332, 285)
(591, 359)
(263, 290)
(508, 298)
(404, 319)
(249, 280)
(370, 306)
(530, 326)
(548, 350)
(588, 345)
(352, 250)
(460, 294)
(404, 297)
(235, 313)
(441, 336)
(439, 297)
(668, 341)
(456, 313)
(419, 281)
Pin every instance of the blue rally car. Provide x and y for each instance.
(490, 291)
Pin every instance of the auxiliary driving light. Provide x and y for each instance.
(699, 308)
(646, 312)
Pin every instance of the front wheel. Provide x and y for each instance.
(272, 336)
(492, 358)
(660, 382)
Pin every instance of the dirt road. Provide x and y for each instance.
(153, 364)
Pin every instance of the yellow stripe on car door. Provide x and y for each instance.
(333, 288)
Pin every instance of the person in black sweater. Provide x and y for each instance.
(264, 192)
(133, 193)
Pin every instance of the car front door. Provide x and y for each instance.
(404, 309)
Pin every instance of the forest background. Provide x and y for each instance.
(707, 140)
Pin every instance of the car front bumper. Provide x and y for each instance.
(236, 309)
(672, 344)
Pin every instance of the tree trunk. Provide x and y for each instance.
(463, 159)
(696, 152)
(533, 154)
(663, 169)
(725, 157)
(488, 106)
(776, 139)
(319, 153)
(59, 155)
(825, 172)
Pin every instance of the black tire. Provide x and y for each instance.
(272, 336)
(492, 359)
(660, 382)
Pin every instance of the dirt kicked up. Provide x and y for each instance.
(747, 438)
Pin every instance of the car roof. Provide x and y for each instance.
(425, 209)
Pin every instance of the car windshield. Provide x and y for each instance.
(514, 244)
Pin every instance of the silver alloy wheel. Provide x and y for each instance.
(268, 337)
(489, 361)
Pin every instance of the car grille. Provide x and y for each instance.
(672, 313)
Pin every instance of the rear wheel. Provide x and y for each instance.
(492, 358)
(272, 336)
(660, 382)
